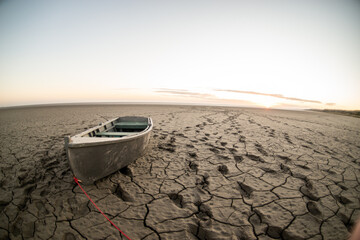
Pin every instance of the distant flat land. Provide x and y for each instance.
(208, 173)
(341, 112)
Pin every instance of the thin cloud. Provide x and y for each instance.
(171, 89)
(210, 98)
(125, 89)
(270, 95)
(185, 93)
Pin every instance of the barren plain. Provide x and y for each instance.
(208, 173)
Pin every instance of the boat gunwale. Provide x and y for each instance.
(104, 141)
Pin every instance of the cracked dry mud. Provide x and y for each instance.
(208, 173)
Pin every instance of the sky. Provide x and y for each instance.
(271, 54)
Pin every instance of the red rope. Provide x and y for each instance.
(77, 181)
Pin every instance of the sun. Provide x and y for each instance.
(259, 100)
(265, 101)
(268, 105)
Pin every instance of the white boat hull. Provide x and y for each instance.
(92, 158)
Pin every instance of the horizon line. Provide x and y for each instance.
(58, 104)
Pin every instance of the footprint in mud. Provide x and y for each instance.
(331, 172)
(45, 192)
(342, 199)
(272, 133)
(167, 147)
(260, 148)
(204, 181)
(192, 154)
(223, 169)
(193, 166)
(223, 144)
(122, 194)
(309, 191)
(268, 170)
(342, 186)
(238, 158)
(305, 146)
(302, 166)
(214, 150)
(69, 236)
(232, 150)
(287, 138)
(163, 136)
(176, 198)
(224, 157)
(204, 213)
(313, 208)
(187, 129)
(285, 158)
(245, 189)
(255, 158)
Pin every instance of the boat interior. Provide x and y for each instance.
(121, 127)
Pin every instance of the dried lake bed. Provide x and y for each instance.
(208, 173)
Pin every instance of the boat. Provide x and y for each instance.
(108, 147)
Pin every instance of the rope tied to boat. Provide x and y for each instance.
(77, 181)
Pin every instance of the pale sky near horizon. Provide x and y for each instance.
(280, 54)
